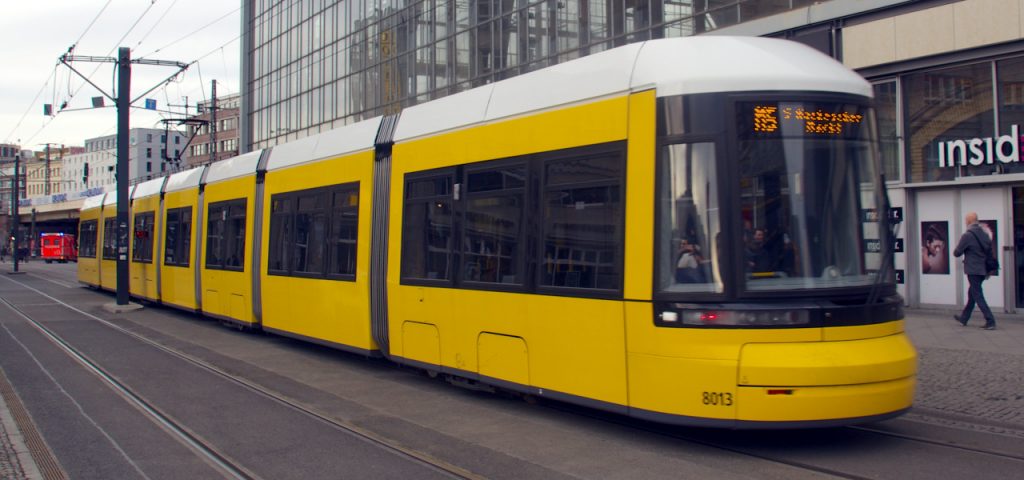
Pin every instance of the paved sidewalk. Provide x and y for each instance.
(967, 371)
(16, 462)
(964, 371)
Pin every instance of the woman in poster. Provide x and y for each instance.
(934, 248)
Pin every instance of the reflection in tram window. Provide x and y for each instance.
(87, 239)
(582, 222)
(491, 250)
(427, 229)
(690, 245)
(110, 239)
(225, 238)
(142, 241)
(178, 236)
(313, 232)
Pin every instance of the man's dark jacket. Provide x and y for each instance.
(974, 245)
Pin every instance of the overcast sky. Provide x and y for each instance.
(35, 33)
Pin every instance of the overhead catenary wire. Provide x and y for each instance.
(266, 19)
(156, 24)
(211, 23)
(72, 94)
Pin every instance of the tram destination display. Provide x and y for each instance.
(810, 119)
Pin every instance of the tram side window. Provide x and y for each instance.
(87, 239)
(344, 232)
(427, 228)
(178, 237)
(110, 239)
(142, 242)
(313, 232)
(225, 240)
(582, 222)
(310, 233)
(281, 214)
(492, 246)
(689, 243)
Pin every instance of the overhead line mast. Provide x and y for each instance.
(123, 102)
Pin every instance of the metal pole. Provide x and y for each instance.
(124, 81)
(14, 210)
(32, 246)
(213, 121)
(47, 172)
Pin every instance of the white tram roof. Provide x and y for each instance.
(671, 66)
(148, 188)
(111, 198)
(334, 143)
(94, 201)
(234, 167)
(184, 180)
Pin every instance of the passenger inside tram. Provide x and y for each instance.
(690, 266)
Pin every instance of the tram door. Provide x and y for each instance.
(990, 204)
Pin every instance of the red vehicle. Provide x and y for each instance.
(59, 247)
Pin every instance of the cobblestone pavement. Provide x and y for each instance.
(968, 371)
(10, 467)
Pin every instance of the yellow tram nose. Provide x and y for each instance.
(787, 382)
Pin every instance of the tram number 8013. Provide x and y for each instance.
(723, 399)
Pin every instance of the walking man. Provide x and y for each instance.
(974, 245)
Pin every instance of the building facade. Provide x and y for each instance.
(310, 66)
(43, 172)
(204, 133)
(151, 154)
(948, 77)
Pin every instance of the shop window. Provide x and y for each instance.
(945, 109)
(886, 102)
(1011, 105)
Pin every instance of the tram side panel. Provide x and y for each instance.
(226, 279)
(177, 257)
(146, 224)
(456, 309)
(90, 241)
(314, 269)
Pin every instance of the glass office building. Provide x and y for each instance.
(312, 65)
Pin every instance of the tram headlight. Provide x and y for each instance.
(744, 318)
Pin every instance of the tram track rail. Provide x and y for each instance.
(726, 441)
(942, 443)
(708, 438)
(230, 467)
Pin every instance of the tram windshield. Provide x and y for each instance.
(808, 186)
(801, 204)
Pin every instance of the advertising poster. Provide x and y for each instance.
(935, 248)
(991, 228)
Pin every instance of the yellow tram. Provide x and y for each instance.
(679, 230)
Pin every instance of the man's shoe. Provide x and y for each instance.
(989, 327)
(961, 321)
